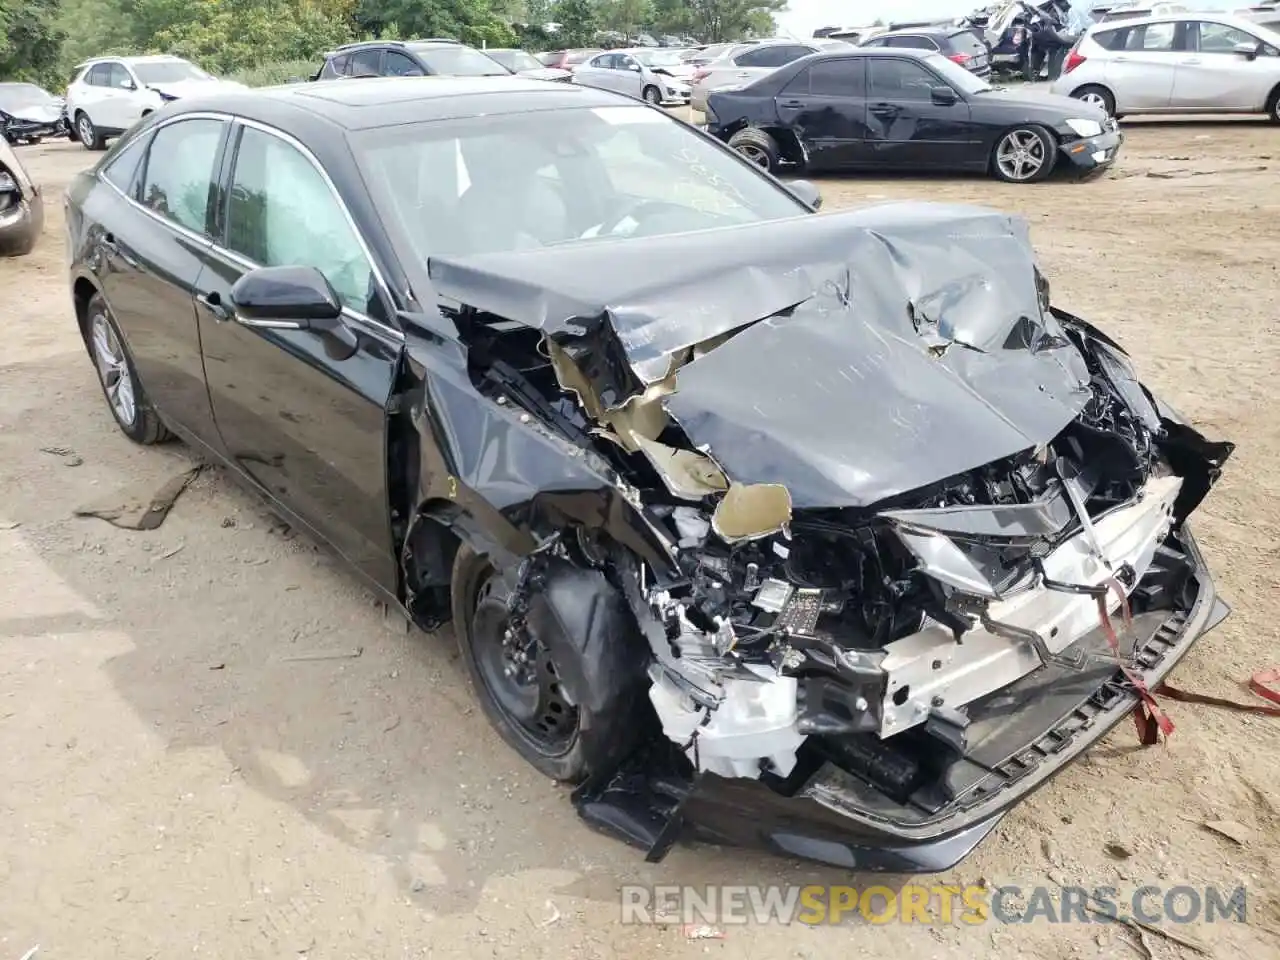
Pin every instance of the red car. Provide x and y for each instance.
(567, 59)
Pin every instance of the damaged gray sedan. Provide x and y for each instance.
(826, 533)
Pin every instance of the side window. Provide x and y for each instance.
(898, 80)
(759, 57)
(122, 170)
(365, 62)
(876, 42)
(336, 66)
(838, 78)
(282, 213)
(120, 78)
(913, 43)
(625, 63)
(99, 75)
(1153, 38)
(1219, 38)
(398, 65)
(602, 63)
(1112, 39)
(179, 171)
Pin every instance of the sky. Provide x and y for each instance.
(802, 17)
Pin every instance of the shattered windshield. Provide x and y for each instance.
(168, 71)
(525, 181)
(19, 96)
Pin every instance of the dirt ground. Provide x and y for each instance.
(181, 776)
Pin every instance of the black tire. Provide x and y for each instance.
(1273, 106)
(71, 132)
(1046, 153)
(145, 426)
(604, 721)
(88, 134)
(758, 146)
(651, 94)
(1103, 97)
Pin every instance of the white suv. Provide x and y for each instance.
(108, 95)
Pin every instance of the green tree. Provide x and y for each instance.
(579, 20)
(715, 21)
(30, 40)
(475, 22)
(628, 17)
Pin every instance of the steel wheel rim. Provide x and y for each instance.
(1020, 155)
(535, 704)
(756, 155)
(113, 370)
(1096, 100)
(85, 128)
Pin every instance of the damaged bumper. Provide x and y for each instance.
(1021, 736)
(1093, 154)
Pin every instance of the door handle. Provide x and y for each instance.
(791, 103)
(1193, 60)
(1122, 59)
(213, 303)
(109, 244)
(884, 110)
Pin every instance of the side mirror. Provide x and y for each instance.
(1247, 50)
(128, 85)
(286, 298)
(806, 192)
(944, 96)
(634, 68)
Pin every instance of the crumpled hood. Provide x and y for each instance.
(876, 351)
(35, 113)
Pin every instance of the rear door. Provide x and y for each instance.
(1141, 72)
(154, 242)
(365, 63)
(905, 128)
(302, 412)
(1212, 76)
(826, 106)
(598, 72)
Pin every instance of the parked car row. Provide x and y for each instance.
(29, 113)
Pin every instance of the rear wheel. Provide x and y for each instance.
(88, 134)
(125, 396)
(652, 95)
(1024, 155)
(757, 146)
(1099, 97)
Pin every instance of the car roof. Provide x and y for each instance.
(932, 31)
(1215, 16)
(363, 103)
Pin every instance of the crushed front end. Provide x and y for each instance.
(921, 537)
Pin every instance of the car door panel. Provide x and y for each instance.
(153, 252)
(1214, 77)
(303, 413)
(905, 128)
(826, 107)
(629, 78)
(1142, 73)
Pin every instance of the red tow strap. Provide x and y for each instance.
(1150, 720)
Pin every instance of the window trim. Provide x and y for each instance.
(146, 166)
(222, 173)
(938, 81)
(860, 63)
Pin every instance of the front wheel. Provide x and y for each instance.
(652, 95)
(1273, 106)
(125, 396)
(1099, 97)
(757, 146)
(1024, 155)
(88, 134)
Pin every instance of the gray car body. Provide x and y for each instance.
(1185, 79)
(21, 206)
(621, 72)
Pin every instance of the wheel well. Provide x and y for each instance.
(82, 292)
(1272, 97)
(788, 143)
(427, 561)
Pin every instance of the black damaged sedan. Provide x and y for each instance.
(894, 109)
(821, 533)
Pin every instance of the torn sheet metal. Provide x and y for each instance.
(875, 351)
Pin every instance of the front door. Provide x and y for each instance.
(1215, 77)
(826, 106)
(906, 127)
(303, 413)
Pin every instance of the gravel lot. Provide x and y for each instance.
(183, 778)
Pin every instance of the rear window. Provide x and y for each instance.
(966, 42)
(1111, 39)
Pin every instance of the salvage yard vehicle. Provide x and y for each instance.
(958, 44)
(434, 57)
(108, 95)
(822, 533)
(21, 206)
(1186, 63)
(29, 113)
(624, 71)
(901, 109)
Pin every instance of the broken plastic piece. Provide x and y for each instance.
(747, 512)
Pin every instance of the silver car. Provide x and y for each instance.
(624, 72)
(1185, 63)
(742, 64)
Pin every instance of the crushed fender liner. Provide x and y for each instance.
(870, 500)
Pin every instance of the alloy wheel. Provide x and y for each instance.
(113, 368)
(753, 153)
(1021, 155)
(1095, 100)
(84, 127)
(652, 96)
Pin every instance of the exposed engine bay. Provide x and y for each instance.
(875, 489)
